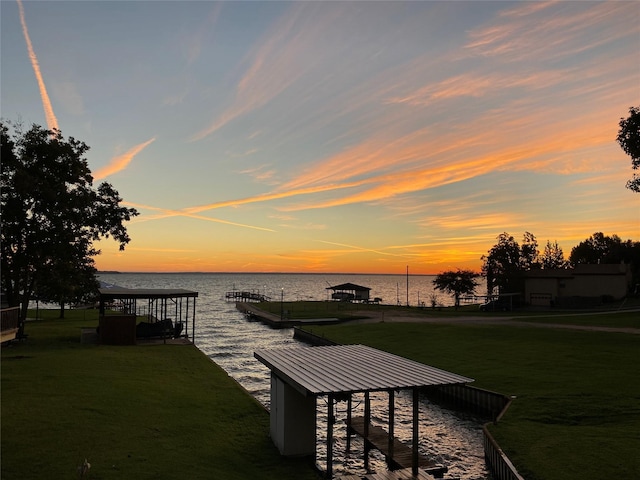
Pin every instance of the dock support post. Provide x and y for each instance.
(349, 423)
(330, 421)
(193, 323)
(391, 424)
(367, 419)
(414, 456)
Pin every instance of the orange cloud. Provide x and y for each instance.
(474, 85)
(121, 162)
(487, 221)
(52, 121)
(269, 196)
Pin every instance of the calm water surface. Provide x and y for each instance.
(224, 335)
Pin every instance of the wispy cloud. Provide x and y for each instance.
(303, 226)
(280, 61)
(202, 33)
(268, 197)
(477, 221)
(121, 162)
(168, 213)
(554, 29)
(160, 250)
(68, 96)
(262, 173)
(474, 85)
(52, 121)
(267, 76)
(362, 249)
(514, 135)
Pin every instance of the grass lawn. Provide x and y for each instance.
(345, 310)
(577, 411)
(134, 412)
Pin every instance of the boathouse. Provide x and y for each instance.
(299, 375)
(350, 292)
(168, 312)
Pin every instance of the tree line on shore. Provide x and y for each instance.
(506, 262)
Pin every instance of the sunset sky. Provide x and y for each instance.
(336, 136)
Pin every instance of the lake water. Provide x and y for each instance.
(226, 337)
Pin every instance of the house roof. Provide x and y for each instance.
(351, 368)
(580, 269)
(602, 269)
(349, 286)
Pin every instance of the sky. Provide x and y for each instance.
(369, 137)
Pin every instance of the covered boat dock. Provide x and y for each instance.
(350, 292)
(120, 307)
(299, 375)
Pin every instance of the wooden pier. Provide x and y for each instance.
(252, 312)
(245, 296)
(398, 454)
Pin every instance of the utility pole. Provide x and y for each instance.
(407, 285)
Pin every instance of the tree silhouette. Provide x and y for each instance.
(51, 215)
(460, 282)
(506, 262)
(553, 256)
(629, 140)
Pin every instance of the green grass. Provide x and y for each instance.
(577, 411)
(615, 319)
(134, 412)
(345, 310)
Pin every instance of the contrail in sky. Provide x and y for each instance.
(52, 121)
(363, 249)
(166, 213)
(121, 161)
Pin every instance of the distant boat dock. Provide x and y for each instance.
(245, 296)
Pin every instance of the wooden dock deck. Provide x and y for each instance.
(404, 474)
(401, 457)
(245, 296)
(276, 321)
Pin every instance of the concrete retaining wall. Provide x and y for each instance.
(500, 465)
(311, 338)
(477, 401)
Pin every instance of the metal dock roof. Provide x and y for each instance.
(351, 368)
(116, 292)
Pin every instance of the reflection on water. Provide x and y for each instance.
(224, 335)
(450, 439)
